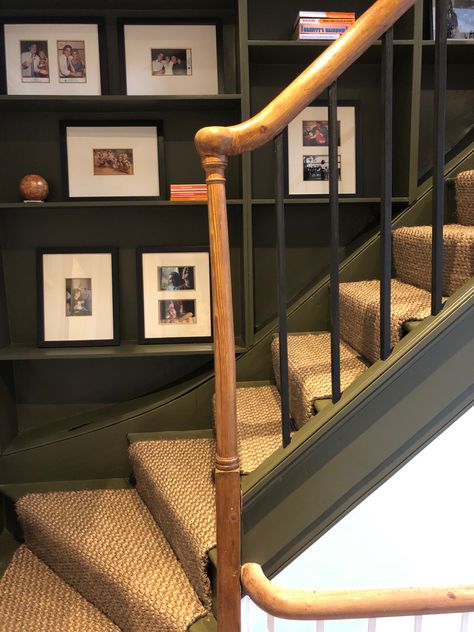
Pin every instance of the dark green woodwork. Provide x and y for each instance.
(75, 407)
(346, 451)
(204, 625)
(94, 445)
(258, 59)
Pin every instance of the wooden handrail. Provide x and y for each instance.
(269, 122)
(214, 144)
(352, 604)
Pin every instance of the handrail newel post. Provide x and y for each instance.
(227, 472)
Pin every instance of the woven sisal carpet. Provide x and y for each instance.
(258, 425)
(309, 371)
(174, 478)
(465, 197)
(106, 544)
(34, 599)
(360, 313)
(412, 256)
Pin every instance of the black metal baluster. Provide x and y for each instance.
(386, 202)
(439, 109)
(282, 295)
(334, 210)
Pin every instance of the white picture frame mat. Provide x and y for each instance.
(140, 39)
(89, 33)
(347, 151)
(151, 261)
(82, 140)
(59, 267)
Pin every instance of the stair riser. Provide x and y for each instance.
(412, 257)
(174, 479)
(465, 197)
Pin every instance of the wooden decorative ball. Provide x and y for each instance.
(34, 188)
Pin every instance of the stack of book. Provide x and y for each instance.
(322, 25)
(188, 192)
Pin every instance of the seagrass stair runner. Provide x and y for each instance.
(136, 559)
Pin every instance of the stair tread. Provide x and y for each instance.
(175, 479)
(106, 544)
(412, 256)
(360, 313)
(35, 598)
(309, 371)
(258, 425)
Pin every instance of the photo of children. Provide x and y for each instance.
(113, 162)
(34, 61)
(78, 297)
(71, 61)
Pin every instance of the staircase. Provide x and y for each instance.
(138, 559)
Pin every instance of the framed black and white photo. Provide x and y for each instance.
(174, 295)
(178, 59)
(115, 159)
(77, 297)
(308, 151)
(460, 19)
(54, 58)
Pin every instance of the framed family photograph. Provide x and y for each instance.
(174, 295)
(77, 297)
(460, 19)
(112, 159)
(170, 58)
(308, 151)
(56, 58)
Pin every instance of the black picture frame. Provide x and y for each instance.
(58, 297)
(170, 255)
(102, 41)
(65, 124)
(358, 151)
(121, 23)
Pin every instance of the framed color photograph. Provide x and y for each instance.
(174, 296)
(53, 59)
(77, 297)
(116, 159)
(308, 151)
(460, 19)
(170, 59)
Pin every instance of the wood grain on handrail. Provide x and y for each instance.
(352, 604)
(270, 121)
(227, 462)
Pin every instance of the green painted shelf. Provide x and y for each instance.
(104, 204)
(325, 200)
(118, 103)
(303, 51)
(127, 349)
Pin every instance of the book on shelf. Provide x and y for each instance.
(188, 192)
(322, 25)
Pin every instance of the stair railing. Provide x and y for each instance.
(214, 145)
(311, 605)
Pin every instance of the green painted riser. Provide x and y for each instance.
(94, 446)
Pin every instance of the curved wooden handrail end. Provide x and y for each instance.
(352, 604)
(214, 141)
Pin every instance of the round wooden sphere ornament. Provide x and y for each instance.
(34, 188)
